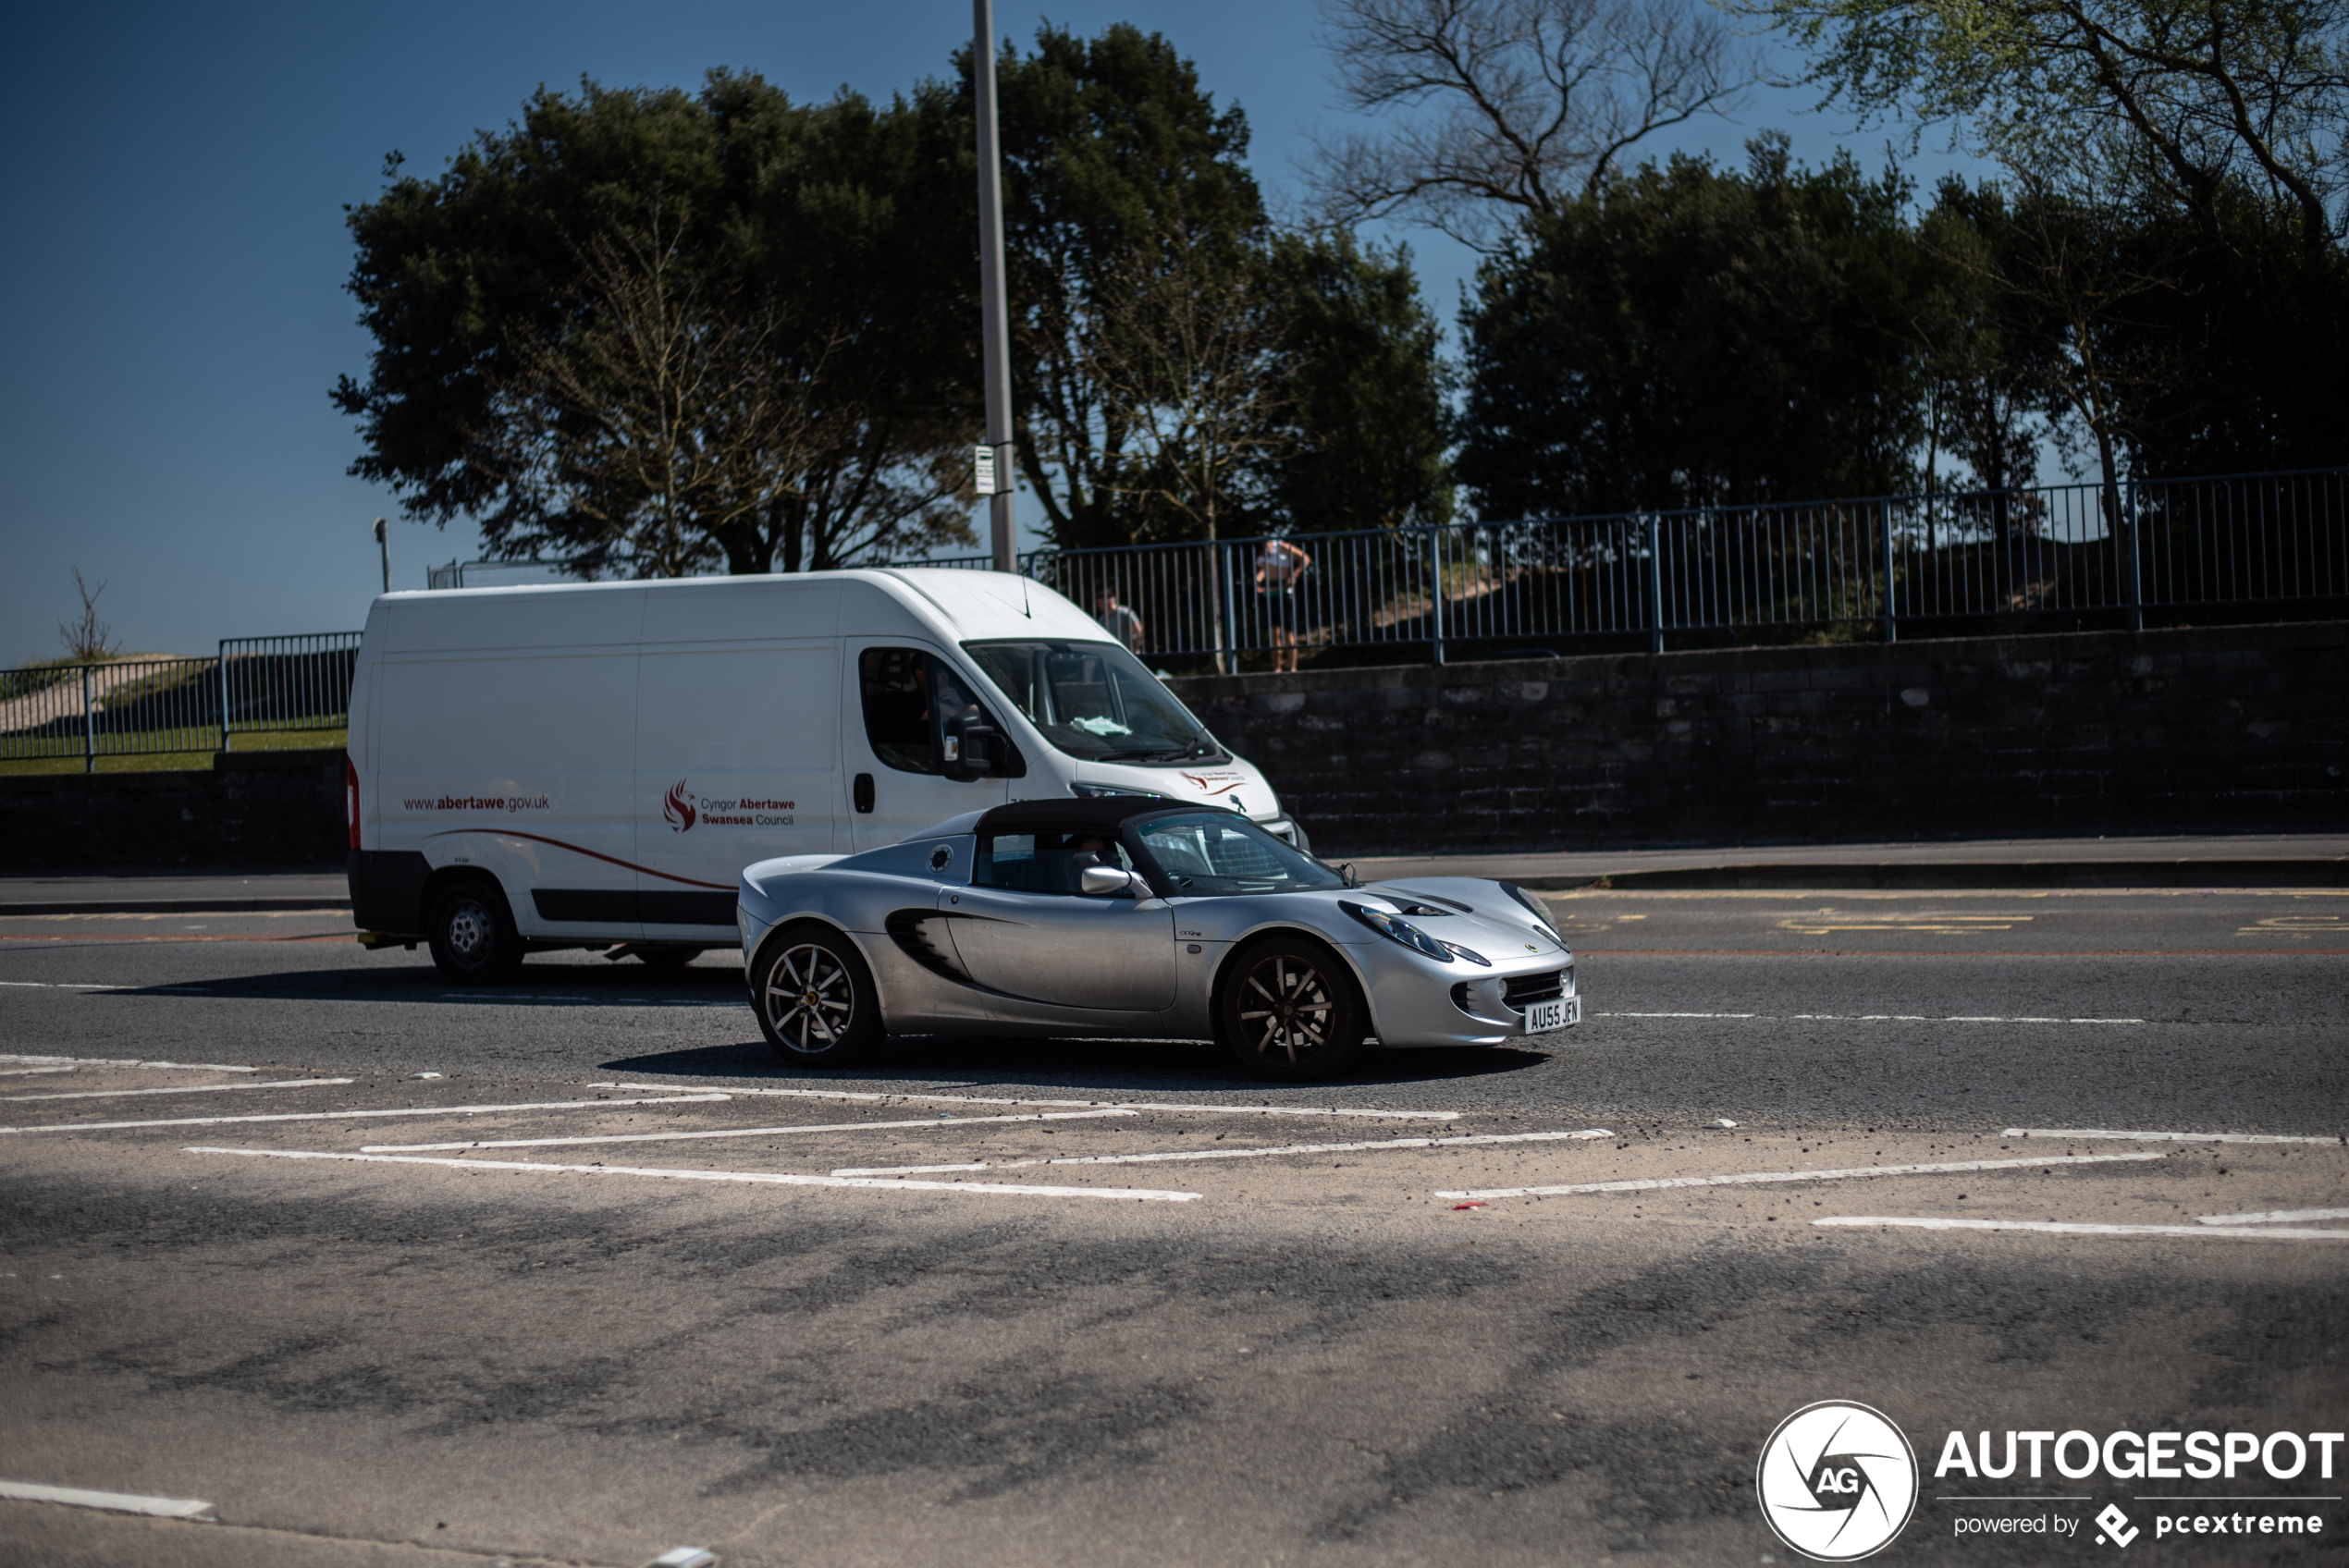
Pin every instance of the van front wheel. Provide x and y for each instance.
(815, 1000)
(474, 938)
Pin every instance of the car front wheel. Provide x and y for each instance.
(1291, 1011)
(816, 999)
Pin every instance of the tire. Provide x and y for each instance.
(815, 998)
(1291, 1011)
(472, 934)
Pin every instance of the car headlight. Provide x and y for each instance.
(1395, 928)
(1533, 907)
(1098, 791)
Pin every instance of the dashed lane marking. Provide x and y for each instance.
(126, 1062)
(112, 1502)
(871, 1098)
(2079, 1132)
(356, 1115)
(2070, 1228)
(1874, 1017)
(178, 1089)
(2274, 1217)
(1371, 1148)
(1747, 1178)
(738, 1132)
(764, 1178)
(905, 1170)
(33, 1071)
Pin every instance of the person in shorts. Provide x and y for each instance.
(1117, 621)
(1280, 571)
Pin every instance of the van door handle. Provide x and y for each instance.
(864, 791)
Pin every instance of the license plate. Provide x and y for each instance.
(1559, 1012)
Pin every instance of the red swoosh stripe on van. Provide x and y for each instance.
(574, 849)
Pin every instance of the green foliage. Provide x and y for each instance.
(808, 231)
(1367, 385)
(1688, 336)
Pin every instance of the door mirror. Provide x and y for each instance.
(975, 749)
(1101, 881)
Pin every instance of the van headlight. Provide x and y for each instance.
(1098, 791)
(1395, 928)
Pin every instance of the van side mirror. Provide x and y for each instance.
(1101, 881)
(975, 749)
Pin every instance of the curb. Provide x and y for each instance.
(174, 906)
(1964, 875)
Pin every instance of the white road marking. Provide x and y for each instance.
(31, 1071)
(903, 1170)
(178, 1089)
(1877, 1017)
(1312, 1149)
(113, 1503)
(767, 1178)
(1748, 1178)
(2274, 1217)
(2167, 1137)
(355, 1115)
(126, 1062)
(870, 1099)
(58, 986)
(2067, 1228)
(734, 1132)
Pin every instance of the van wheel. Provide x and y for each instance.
(474, 939)
(1291, 1012)
(816, 999)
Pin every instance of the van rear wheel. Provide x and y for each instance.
(816, 999)
(474, 938)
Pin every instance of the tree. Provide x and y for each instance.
(489, 292)
(1687, 337)
(1502, 109)
(88, 640)
(1106, 142)
(1370, 426)
(2215, 92)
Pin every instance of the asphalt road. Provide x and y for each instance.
(1117, 1327)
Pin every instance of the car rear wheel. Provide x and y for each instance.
(473, 934)
(816, 999)
(1291, 1011)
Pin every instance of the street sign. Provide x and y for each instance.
(985, 460)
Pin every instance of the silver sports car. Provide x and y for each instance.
(1133, 916)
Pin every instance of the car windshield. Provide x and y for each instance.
(1213, 852)
(1095, 701)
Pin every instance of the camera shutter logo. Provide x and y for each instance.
(1837, 1481)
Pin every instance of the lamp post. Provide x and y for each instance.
(995, 333)
(383, 542)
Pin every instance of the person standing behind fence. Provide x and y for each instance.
(1280, 571)
(1119, 621)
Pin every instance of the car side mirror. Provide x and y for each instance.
(1101, 881)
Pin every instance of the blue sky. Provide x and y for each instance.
(171, 303)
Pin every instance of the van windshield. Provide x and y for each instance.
(1095, 701)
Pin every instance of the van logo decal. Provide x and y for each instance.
(1216, 783)
(678, 807)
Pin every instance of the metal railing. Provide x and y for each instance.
(297, 685)
(2006, 560)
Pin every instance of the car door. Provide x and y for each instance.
(1022, 928)
(898, 694)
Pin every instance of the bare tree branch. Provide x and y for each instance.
(1494, 105)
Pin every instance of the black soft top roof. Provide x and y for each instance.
(1105, 814)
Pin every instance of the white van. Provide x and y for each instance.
(593, 765)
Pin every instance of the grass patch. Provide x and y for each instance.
(188, 749)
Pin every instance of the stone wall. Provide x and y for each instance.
(2216, 729)
(251, 811)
